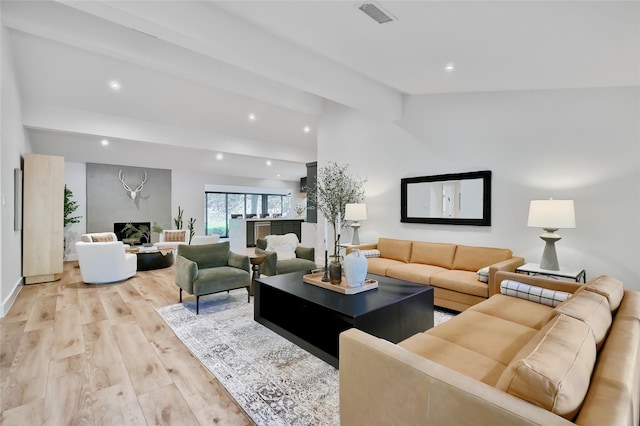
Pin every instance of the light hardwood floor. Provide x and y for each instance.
(76, 354)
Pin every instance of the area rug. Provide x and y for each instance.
(272, 379)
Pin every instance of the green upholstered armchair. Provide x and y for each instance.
(211, 268)
(304, 261)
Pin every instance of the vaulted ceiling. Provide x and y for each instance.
(191, 72)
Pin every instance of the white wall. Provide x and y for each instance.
(580, 144)
(14, 144)
(187, 192)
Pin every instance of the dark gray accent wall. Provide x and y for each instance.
(108, 202)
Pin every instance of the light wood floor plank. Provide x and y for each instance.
(31, 414)
(72, 382)
(145, 369)
(43, 312)
(116, 309)
(118, 406)
(166, 406)
(67, 334)
(123, 341)
(27, 380)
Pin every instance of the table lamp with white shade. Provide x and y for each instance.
(354, 213)
(551, 215)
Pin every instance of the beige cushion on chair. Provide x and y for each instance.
(175, 236)
(99, 237)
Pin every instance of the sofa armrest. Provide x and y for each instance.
(239, 261)
(508, 265)
(186, 273)
(268, 266)
(538, 281)
(362, 247)
(383, 384)
(308, 253)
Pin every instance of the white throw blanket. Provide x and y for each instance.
(284, 245)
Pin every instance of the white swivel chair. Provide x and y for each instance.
(107, 262)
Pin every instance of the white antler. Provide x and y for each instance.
(133, 193)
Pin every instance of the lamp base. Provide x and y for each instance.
(549, 257)
(355, 239)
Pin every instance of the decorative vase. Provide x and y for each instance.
(335, 272)
(355, 268)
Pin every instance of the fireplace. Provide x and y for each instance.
(145, 227)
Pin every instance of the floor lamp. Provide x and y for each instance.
(551, 215)
(354, 213)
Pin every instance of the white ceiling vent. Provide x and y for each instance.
(377, 13)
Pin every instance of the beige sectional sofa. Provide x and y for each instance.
(505, 361)
(451, 269)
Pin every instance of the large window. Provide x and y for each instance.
(222, 206)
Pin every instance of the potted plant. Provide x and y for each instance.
(136, 234)
(70, 206)
(334, 189)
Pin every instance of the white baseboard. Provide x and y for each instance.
(10, 300)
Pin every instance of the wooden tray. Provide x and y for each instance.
(316, 279)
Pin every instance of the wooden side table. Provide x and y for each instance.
(256, 260)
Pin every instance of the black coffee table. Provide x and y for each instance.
(148, 260)
(312, 317)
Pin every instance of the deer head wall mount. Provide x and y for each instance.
(133, 193)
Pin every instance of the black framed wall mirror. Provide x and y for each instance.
(451, 199)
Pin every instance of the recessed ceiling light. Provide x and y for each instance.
(450, 67)
(278, 175)
(104, 142)
(268, 162)
(252, 117)
(115, 85)
(219, 156)
(306, 129)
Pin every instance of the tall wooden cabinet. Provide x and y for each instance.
(43, 218)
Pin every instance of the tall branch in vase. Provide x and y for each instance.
(334, 189)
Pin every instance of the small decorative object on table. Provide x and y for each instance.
(335, 271)
(355, 268)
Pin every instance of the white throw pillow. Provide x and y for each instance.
(284, 245)
(532, 293)
(483, 274)
(370, 253)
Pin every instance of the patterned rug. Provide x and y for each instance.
(272, 379)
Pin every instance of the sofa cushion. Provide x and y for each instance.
(516, 310)
(469, 258)
(379, 265)
(591, 308)
(413, 272)
(207, 255)
(395, 249)
(460, 281)
(455, 357)
(555, 372)
(476, 331)
(533, 293)
(608, 287)
(437, 254)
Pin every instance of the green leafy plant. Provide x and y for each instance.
(70, 206)
(135, 234)
(178, 220)
(334, 189)
(192, 221)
